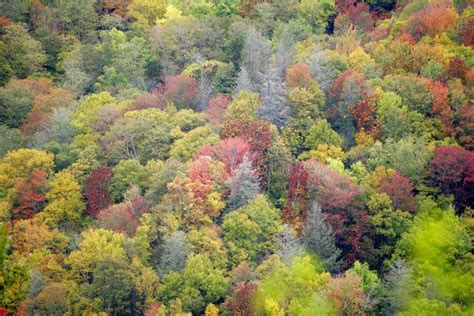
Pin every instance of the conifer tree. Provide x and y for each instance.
(174, 253)
(244, 185)
(273, 94)
(285, 52)
(319, 238)
(256, 54)
(244, 83)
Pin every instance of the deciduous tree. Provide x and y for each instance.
(400, 190)
(65, 204)
(259, 135)
(29, 198)
(295, 209)
(24, 53)
(96, 190)
(452, 171)
(18, 165)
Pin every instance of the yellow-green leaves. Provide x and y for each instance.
(65, 205)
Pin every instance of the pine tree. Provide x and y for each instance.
(205, 87)
(272, 92)
(285, 52)
(319, 238)
(174, 253)
(324, 72)
(289, 244)
(244, 185)
(398, 288)
(256, 54)
(244, 83)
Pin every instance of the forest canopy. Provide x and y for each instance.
(236, 157)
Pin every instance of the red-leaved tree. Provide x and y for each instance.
(358, 13)
(337, 90)
(298, 75)
(240, 302)
(340, 202)
(182, 90)
(400, 190)
(206, 176)
(96, 190)
(452, 171)
(230, 151)
(431, 20)
(258, 134)
(29, 198)
(124, 217)
(364, 114)
(441, 108)
(147, 101)
(295, 209)
(456, 69)
(216, 109)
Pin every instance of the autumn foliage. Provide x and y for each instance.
(180, 89)
(30, 195)
(464, 118)
(400, 190)
(258, 135)
(431, 21)
(358, 13)
(148, 101)
(236, 157)
(230, 151)
(452, 171)
(216, 109)
(206, 177)
(97, 191)
(298, 75)
(441, 108)
(364, 114)
(296, 207)
(241, 300)
(339, 198)
(43, 106)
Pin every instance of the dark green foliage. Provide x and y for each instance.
(15, 104)
(112, 286)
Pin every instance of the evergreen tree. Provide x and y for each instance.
(205, 91)
(243, 185)
(256, 54)
(174, 253)
(319, 238)
(273, 94)
(244, 83)
(112, 286)
(398, 288)
(285, 52)
(289, 244)
(323, 67)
